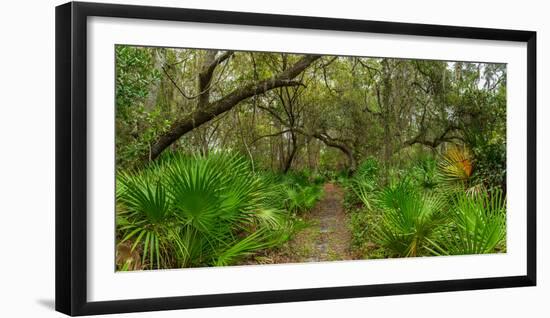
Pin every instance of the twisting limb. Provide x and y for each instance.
(443, 137)
(209, 110)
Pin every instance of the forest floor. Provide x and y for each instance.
(326, 237)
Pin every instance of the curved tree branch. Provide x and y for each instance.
(443, 137)
(210, 110)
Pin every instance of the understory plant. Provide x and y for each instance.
(456, 164)
(300, 191)
(432, 207)
(409, 220)
(189, 211)
(364, 183)
(477, 225)
(425, 173)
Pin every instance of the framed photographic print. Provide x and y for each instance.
(208, 158)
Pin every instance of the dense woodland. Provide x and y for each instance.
(232, 158)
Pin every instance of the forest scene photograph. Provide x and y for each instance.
(234, 158)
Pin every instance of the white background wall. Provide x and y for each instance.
(27, 158)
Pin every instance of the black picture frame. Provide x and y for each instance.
(71, 157)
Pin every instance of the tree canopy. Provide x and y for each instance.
(290, 110)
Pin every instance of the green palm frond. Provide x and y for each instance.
(145, 194)
(194, 208)
(478, 225)
(146, 215)
(241, 248)
(409, 218)
(364, 189)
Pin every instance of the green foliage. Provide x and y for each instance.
(490, 161)
(429, 138)
(204, 210)
(129, 149)
(477, 226)
(134, 75)
(423, 215)
(369, 168)
(301, 191)
(424, 173)
(364, 189)
(190, 211)
(363, 184)
(301, 199)
(409, 218)
(143, 215)
(137, 125)
(362, 225)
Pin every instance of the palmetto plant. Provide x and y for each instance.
(144, 214)
(301, 198)
(299, 194)
(364, 188)
(364, 182)
(425, 173)
(478, 225)
(200, 210)
(367, 169)
(409, 219)
(456, 164)
(220, 202)
(455, 172)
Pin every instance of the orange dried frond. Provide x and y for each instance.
(456, 164)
